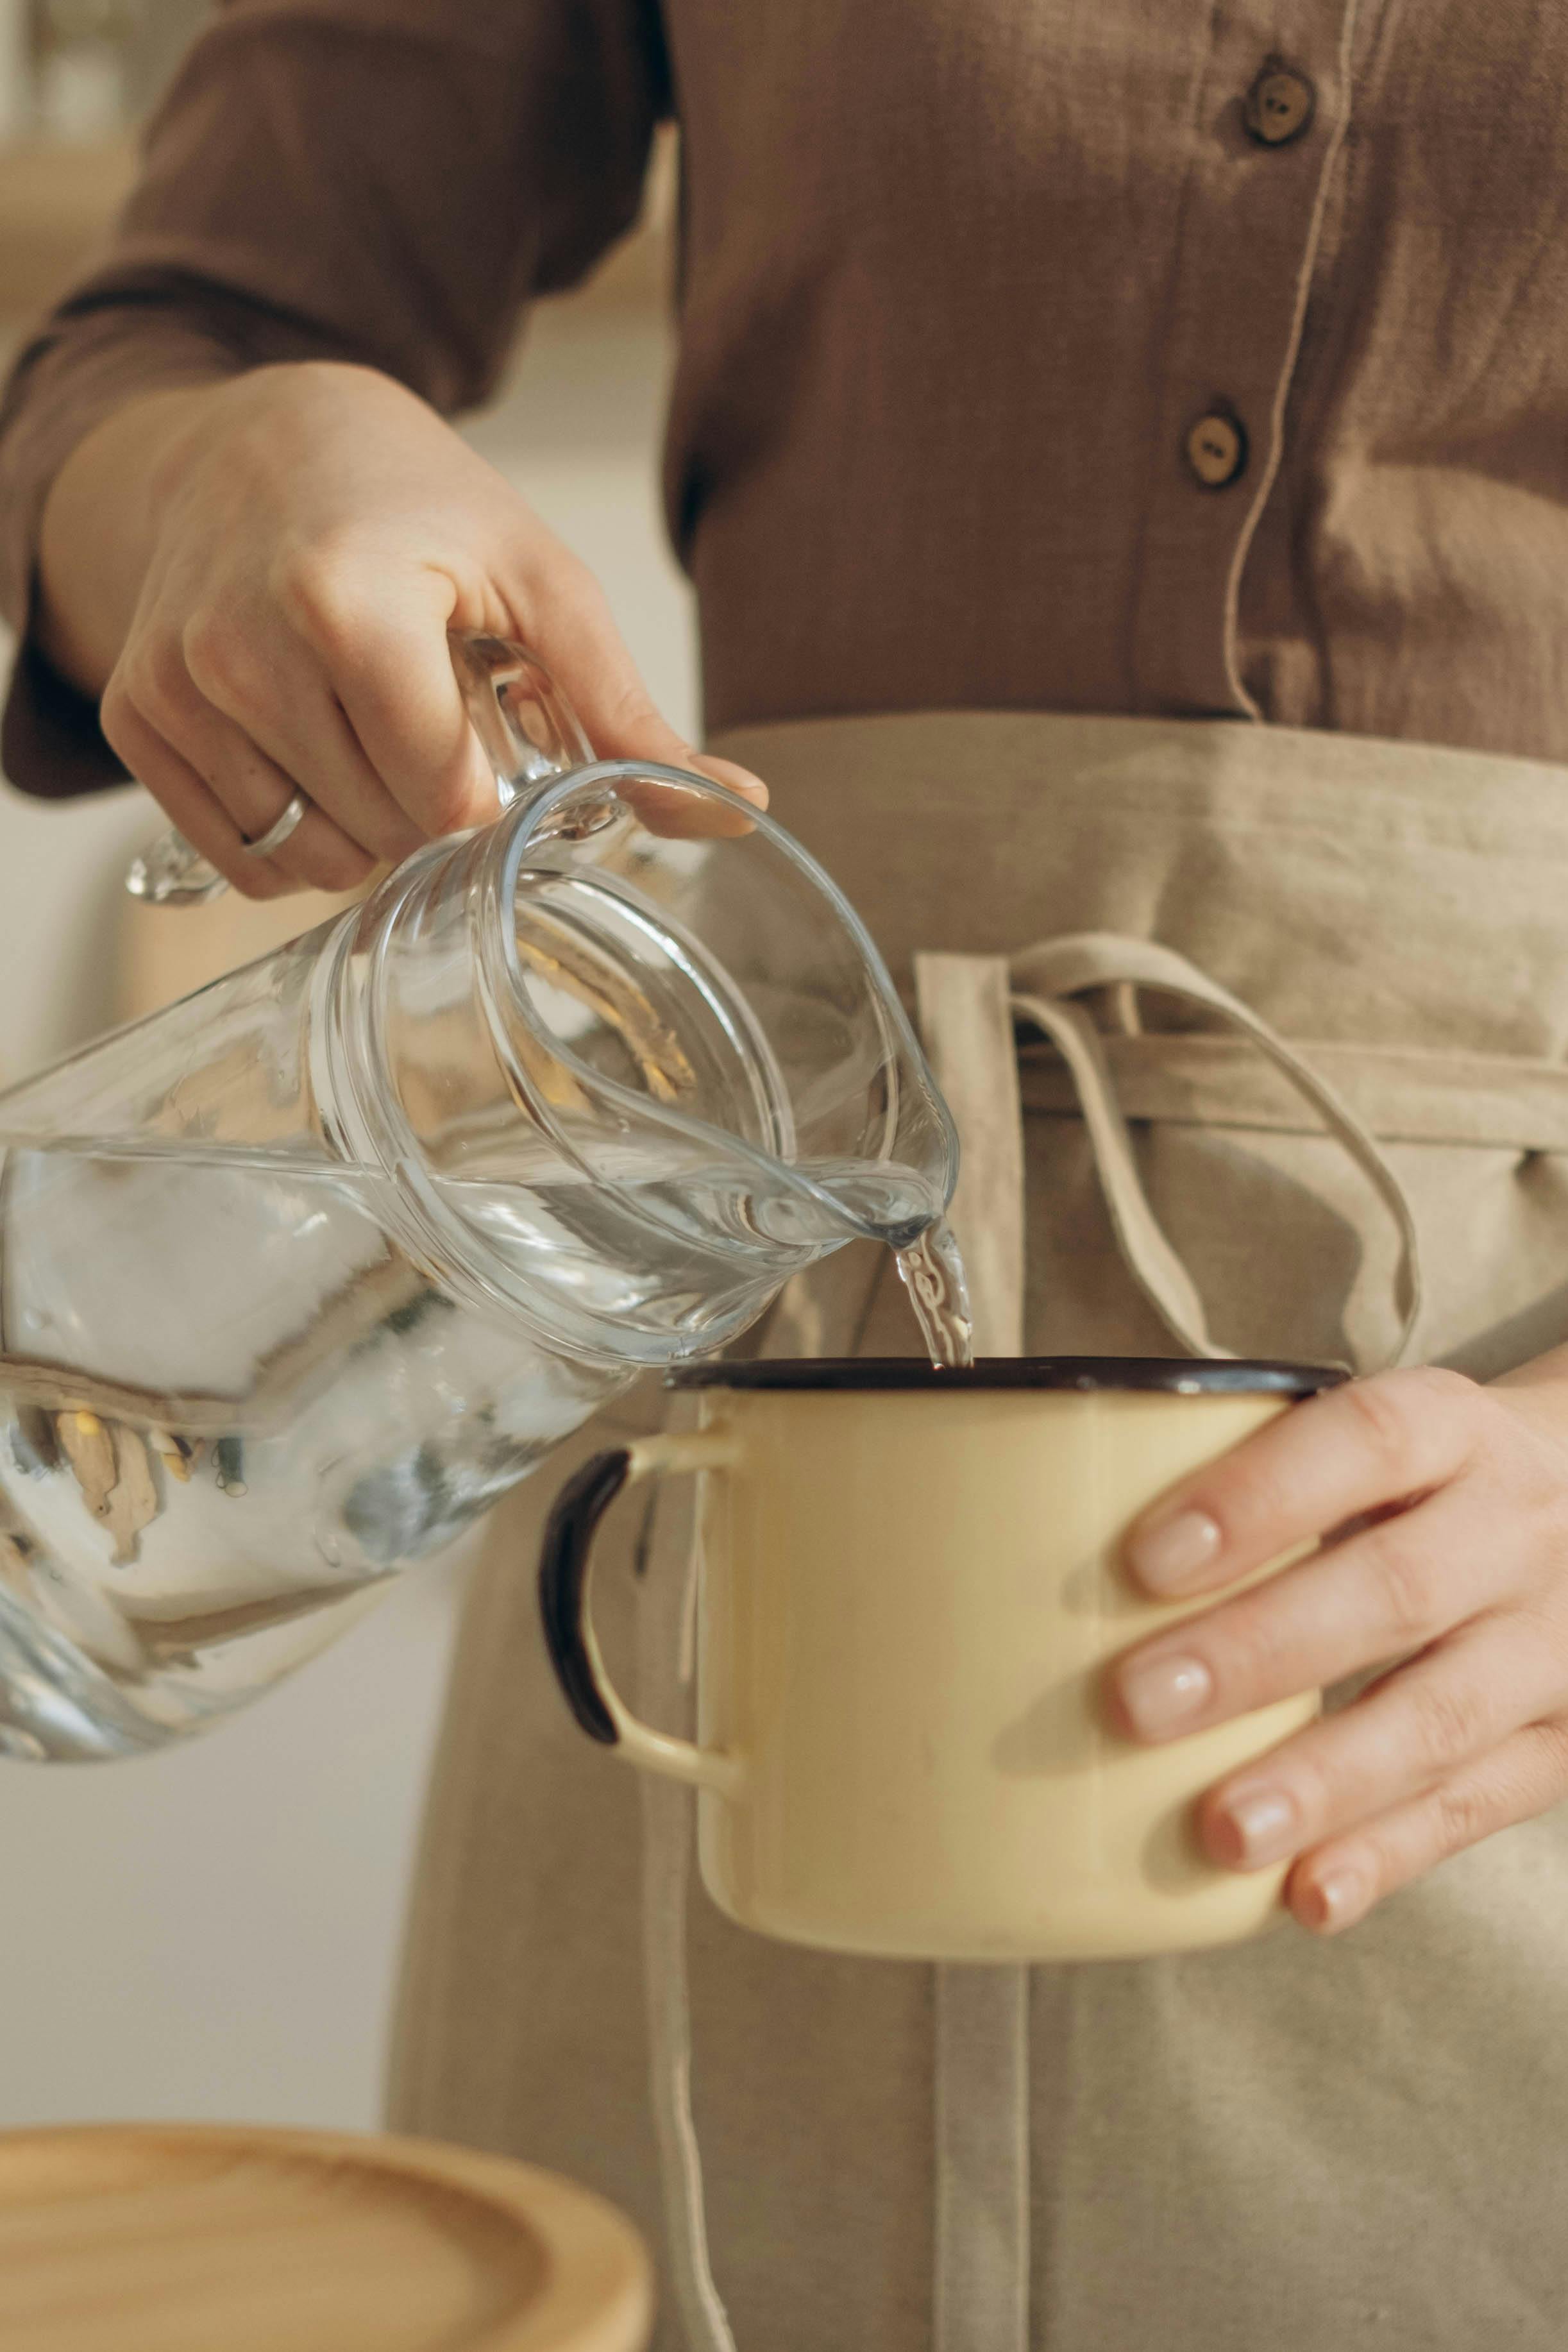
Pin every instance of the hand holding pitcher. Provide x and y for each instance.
(258, 577)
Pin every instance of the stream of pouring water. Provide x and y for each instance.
(931, 1271)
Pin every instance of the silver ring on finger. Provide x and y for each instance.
(274, 837)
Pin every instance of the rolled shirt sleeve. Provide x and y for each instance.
(380, 181)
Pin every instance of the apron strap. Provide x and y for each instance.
(664, 1679)
(1045, 978)
(980, 2281)
(980, 2062)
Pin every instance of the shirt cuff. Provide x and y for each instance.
(77, 371)
(51, 744)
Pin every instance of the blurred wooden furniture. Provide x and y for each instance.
(190, 2237)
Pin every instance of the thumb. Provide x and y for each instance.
(591, 662)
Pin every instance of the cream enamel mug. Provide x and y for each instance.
(909, 1589)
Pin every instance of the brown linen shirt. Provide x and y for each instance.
(1205, 359)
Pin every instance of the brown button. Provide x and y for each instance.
(1217, 449)
(1278, 105)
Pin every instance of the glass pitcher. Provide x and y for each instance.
(298, 1275)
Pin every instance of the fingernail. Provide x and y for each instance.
(1160, 1693)
(1336, 1901)
(1164, 1555)
(1264, 1824)
(726, 772)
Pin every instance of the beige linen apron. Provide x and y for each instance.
(1291, 2145)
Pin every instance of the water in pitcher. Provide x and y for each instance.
(231, 1403)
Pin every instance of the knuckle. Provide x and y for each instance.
(1319, 1783)
(393, 836)
(219, 664)
(1254, 1489)
(443, 808)
(117, 715)
(354, 868)
(1449, 1719)
(1444, 1402)
(572, 587)
(631, 705)
(254, 879)
(1462, 1814)
(1254, 1651)
(161, 681)
(338, 865)
(1415, 1416)
(319, 588)
(1382, 1408)
(1551, 1743)
(445, 803)
(628, 723)
(1402, 1581)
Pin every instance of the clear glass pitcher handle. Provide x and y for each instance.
(527, 725)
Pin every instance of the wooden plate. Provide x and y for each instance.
(190, 2237)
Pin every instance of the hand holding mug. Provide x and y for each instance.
(910, 1593)
(1443, 1510)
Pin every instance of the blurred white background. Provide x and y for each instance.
(215, 1932)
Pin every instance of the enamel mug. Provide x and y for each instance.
(909, 1589)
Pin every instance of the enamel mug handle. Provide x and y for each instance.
(527, 725)
(566, 1565)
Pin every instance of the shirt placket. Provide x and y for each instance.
(1272, 109)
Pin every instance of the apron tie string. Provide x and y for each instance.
(1044, 981)
(981, 2238)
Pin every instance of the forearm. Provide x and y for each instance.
(98, 524)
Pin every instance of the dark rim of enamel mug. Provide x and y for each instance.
(1167, 1375)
